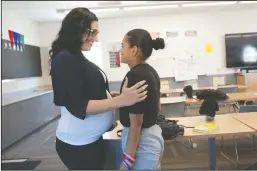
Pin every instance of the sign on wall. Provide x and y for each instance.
(114, 55)
(170, 34)
(16, 41)
(191, 33)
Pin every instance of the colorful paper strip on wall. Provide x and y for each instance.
(16, 39)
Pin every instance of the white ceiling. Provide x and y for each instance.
(46, 11)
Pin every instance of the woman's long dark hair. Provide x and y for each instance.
(73, 27)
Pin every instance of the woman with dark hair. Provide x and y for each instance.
(142, 141)
(81, 89)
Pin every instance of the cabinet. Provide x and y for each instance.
(249, 80)
(21, 118)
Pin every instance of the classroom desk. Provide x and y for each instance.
(233, 97)
(249, 119)
(234, 128)
(169, 100)
(180, 90)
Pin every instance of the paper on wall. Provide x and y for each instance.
(184, 71)
(208, 48)
(165, 85)
(218, 81)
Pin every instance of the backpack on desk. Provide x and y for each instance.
(170, 128)
(203, 94)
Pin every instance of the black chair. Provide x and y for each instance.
(229, 104)
(228, 89)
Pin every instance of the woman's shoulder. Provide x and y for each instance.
(63, 54)
(66, 56)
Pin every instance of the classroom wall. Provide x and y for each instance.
(30, 30)
(213, 24)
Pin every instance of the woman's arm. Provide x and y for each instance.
(129, 96)
(70, 89)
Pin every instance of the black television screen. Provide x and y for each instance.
(241, 50)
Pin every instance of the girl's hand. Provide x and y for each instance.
(114, 93)
(122, 167)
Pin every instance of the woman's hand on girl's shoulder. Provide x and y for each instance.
(134, 94)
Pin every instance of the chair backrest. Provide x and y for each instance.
(173, 109)
(248, 108)
(188, 90)
(228, 89)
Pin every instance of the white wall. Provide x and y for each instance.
(211, 26)
(30, 30)
(13, 21)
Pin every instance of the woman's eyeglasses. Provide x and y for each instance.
(92, 32)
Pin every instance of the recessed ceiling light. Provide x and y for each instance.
(132, 2)
(80, 3)
(105, 9)
(247, 2)
(209, 4)
(150, 7)
(5, 81)
(98, 10)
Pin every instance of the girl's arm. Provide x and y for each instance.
(136, 121)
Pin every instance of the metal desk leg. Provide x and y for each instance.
(212, 153)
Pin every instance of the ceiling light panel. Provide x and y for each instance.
(209, 4)
(105, 10)
(81, 3)
(247, 2)
(150, 7)
(132, 2)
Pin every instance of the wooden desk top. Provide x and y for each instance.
(112, 135)
(244, 96)
(180, 90)
(249, 119)
(227, 126)
(169, 100)
(247, 96)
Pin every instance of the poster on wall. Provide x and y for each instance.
(191, 33)
(16, 39)
(114, 55)
(171, 34)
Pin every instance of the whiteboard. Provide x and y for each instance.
(185, 71)
(172, 61)
(179, 50)
(162, 63)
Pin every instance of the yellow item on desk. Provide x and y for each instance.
(205, 127)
